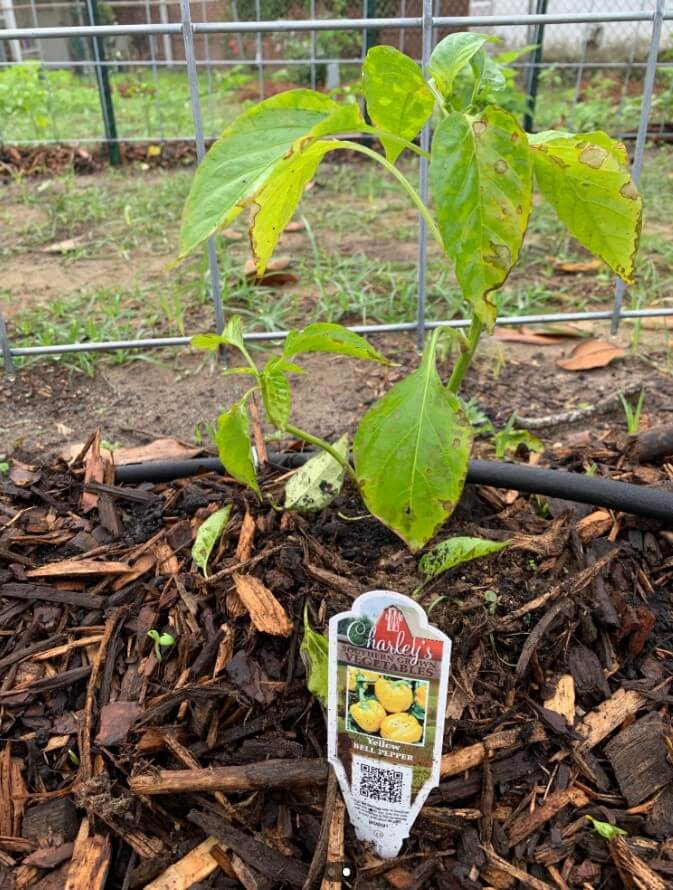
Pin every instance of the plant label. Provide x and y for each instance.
(388, 675)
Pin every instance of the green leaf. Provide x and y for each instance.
(166, 639)
(508, 440)
(4, 468)
(411, 452)
(398, 98)
(275, 203)
(328, 337)
(276, 394)
(605, 829)
(243, 158)
(314, 653)
(481, 180)
(232, 438)
(232, 335)
(207, 536)
(454, 552)
(451, 55)
(586, 180)
(318, 482)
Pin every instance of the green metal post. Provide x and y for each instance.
(533, 72)
(104, 91)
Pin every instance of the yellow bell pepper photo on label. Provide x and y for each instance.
(388, 671)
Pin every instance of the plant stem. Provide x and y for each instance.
(323, 445)
(384, 134)
(465, 358)
(403, 181)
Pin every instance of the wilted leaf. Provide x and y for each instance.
(314, 651)
(411, 452)
(266, 613)
(481, 173)
(232, 438)
(318, 482)
(605, 829)
(328, 337)
(454, 552)
(398, 99)
(591, 354)
(207, 536)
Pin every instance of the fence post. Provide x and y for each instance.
(4, 347)
(192, 76)
(426, 49)
(533, 72)
(641, 137)
(104, 92)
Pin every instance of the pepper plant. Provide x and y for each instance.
(411, 449)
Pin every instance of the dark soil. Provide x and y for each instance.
(559, 702)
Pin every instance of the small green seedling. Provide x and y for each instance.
(508, 439)
(491, 600)
(606, 829)
(314, 654)
(73, 757)
(4, 468)
(631, 414)
(161, 641)
(411, 450)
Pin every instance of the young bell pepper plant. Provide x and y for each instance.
(411, 449)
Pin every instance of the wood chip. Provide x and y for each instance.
(90, 861)
(529, 822)
(634, 871)
(195, 866)
(70, 567)
(266, 612)
(563, 700)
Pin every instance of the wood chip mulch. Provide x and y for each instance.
(205, 766)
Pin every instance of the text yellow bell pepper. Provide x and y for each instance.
(368, 714)
(401, 728)
(421, 696)
(394, 695)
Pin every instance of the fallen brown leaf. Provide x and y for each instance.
(66, 246)
(266, 612)
(116, 719)
(525, 335)
(580, 268)
(591, 354)
(23, 475)
(276, 272)
(160, 449)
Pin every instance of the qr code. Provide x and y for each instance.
(381, 784)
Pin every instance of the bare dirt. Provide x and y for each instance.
(47, 407)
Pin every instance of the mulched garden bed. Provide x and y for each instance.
(116, 765)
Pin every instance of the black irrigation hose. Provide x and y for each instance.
(641, 500)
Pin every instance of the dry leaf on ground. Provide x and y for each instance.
(276, 272)
(584, 267)
(525, 335)
(591, 354)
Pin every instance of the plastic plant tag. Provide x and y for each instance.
(388, 674)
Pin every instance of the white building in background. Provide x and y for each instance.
(600, 39)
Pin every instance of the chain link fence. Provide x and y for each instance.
(242, 48)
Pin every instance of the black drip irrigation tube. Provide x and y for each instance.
(640, 500)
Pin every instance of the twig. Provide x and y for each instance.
(602, 405)
(248, 563)
(320, 853)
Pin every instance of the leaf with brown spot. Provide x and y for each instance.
(591, 354)
(266, 612)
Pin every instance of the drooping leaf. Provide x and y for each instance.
(207, 536)
(451, 55)
(276, 394)
(314, 653)
(399, 100)
(481, 179)
(318, 482)
(586, 180)
(275, 203)
(454, 552)
(328, 337)
(605, 829)
(232, 438)
(411, 452)
(243, 158)
(232, 335)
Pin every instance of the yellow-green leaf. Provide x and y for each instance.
(451, 55)
(232, 438)
(586, 180)
(207, 536)
(481, 179)
(454, 552)
(411, 452)
(329, 337)
(399, 100)
(314, 653)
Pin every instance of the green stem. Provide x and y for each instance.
(323, 445)
(403, 181)
(391, 137)
(465, 358)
